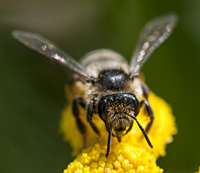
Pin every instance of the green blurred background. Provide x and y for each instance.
(32, 89)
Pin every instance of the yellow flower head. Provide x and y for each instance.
(133, 154)
(124, 158)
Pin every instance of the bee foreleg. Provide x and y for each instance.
(109, 141)
(145, 90)
(75, 109)
(90, 112)
(150, 113)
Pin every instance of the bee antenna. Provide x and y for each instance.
(143, 131)
(109, 137)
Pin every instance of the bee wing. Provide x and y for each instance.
(49, 49)
(153, 34)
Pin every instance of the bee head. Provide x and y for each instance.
(115, 109)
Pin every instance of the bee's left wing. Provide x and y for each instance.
(153, 34)
(49, 49)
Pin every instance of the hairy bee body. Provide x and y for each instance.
(99, 61)
(104, 83)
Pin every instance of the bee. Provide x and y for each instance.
(109, 86)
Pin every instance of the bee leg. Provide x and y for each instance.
(147, 104)
(150, 113)
(75, 109)
(145, 90)
(90, 112)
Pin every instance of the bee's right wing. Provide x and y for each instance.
(153, 34)
(49, 49)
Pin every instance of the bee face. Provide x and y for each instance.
(107, 82)
(115, 111)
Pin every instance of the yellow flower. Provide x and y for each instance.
(132, 155)
(160, 133)
(124, 158)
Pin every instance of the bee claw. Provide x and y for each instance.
(119, 138)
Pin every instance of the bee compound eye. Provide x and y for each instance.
(102, 109)
(136, 106)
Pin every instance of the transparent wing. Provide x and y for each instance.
(49, 49)
(153, 34)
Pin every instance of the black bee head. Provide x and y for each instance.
(114, 110)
